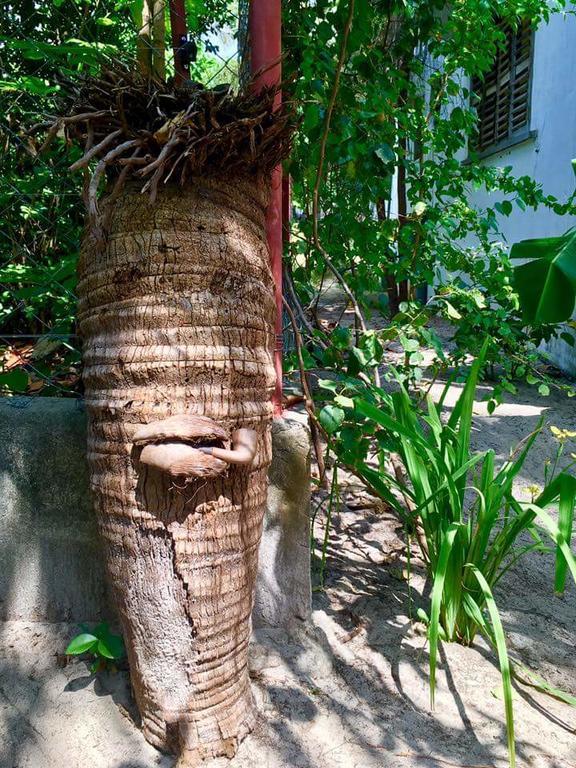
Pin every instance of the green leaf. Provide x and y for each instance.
(504, 662)
(82, 643)
(331, 418)
(565, 524)
(37, 86)
(505, 207)
(343, 401)
(544, 390)
(452, 311)
(540, 684)
(111, 647)
(328, 384)
(385, 153)
(409, 345)
(419, 208)
(15, 380)
(546, 284)
(436, 602)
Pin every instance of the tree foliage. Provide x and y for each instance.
(398, 169)
(41, 213)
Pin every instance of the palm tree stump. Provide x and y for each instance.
(176, 312)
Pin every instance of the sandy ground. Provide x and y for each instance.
(349, 690)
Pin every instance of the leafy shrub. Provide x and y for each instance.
(461, 507)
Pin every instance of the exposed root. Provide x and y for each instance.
(178, 133)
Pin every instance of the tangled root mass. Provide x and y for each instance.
(134, 128)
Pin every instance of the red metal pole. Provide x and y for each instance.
(265, 30)
(286, 207)
(179, 35)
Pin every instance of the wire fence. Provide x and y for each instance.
(41, 209)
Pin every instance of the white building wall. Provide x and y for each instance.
(547, 156)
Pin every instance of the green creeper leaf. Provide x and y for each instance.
(344, 402)
(416, 358)
(419, 208)
(544, 390)
(385, 153)
(452, 311)
(81, 644)
(328, 384)
(409, 345)
(546, 284)
(331, 418)
(505, 207)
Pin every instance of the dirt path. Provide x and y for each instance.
(349, 691)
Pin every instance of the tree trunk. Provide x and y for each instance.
(177, 311)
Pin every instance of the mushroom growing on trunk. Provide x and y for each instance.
(176, 311)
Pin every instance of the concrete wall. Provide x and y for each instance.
(547, 156)
(50, 559)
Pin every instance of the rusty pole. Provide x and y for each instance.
(179, 36)
(265, 25)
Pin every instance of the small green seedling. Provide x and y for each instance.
(105, 647)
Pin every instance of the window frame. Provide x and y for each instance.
(523, 133)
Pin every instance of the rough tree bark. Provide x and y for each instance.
(176, 311)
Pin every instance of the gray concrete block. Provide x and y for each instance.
(51, 563)
(283, 589)
(51, 566)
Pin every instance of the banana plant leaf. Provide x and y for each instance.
(546, 282)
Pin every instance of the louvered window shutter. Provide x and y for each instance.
(503, 93)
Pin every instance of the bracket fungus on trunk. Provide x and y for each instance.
(176, 313)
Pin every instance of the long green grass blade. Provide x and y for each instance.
(527, 677)
(503, 660)
(565, 523)
(384, 420)
(436, 603)
(552, 530)
(461, 416)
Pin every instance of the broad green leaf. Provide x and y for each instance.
(37, 86)
(343, 401)
(81, 644)
(111, 647)
(331, 418)
(452, 312)
(505, 207)
(546, 284)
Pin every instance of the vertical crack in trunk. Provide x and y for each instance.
(184, 584)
